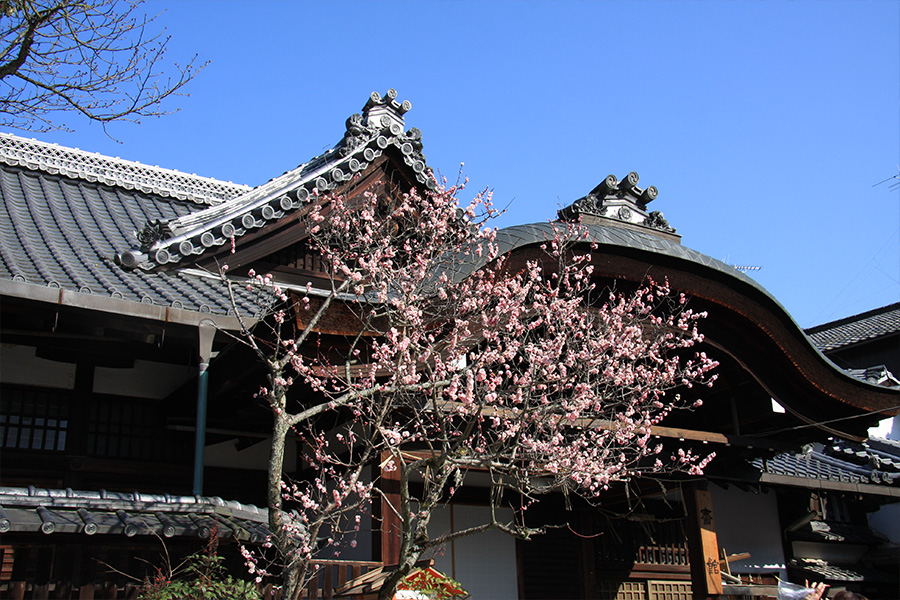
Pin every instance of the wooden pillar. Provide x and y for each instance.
(703, 547)
(588, 552)
(391, 526)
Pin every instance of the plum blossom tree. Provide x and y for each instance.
(463, 361)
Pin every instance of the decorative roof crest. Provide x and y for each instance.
(621, 201)
(378, 129)
(117, 172)
(380, 115)
(384, 111)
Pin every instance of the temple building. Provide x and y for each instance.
(126, 419)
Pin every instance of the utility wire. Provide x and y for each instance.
(818, 423)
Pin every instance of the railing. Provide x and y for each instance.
(330, 575)
(671, 554)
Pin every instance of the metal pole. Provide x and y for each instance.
(207, 332)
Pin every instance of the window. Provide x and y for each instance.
(33, 419)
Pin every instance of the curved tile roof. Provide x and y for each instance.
(34, 509)
(875, 461)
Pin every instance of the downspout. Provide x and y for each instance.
(207, 332)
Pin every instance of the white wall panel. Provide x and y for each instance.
(484, 563)
(18, 364)
(145, 380)
(748, 522)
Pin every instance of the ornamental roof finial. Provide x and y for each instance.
(385, 111)
(619, 202)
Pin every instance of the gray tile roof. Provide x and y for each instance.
(820, 569)
(833, 531)
(876, 461)
(169, 242)
(878, 375)
(63, 232)
(851, 330)
(95, 168)
(66, 511)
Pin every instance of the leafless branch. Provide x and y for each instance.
(97, 58)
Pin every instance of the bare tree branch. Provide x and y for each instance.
(97, 59)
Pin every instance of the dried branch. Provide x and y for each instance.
(98, 59)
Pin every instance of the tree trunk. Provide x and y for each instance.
(281, 538)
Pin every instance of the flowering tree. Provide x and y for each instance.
(464, 361)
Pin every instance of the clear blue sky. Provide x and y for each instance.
(765, 125)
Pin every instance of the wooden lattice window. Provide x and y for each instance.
(6, 563)
(298, 256)
(33, 419)
(616, 589)
(647, 542)
(668, 590)
(128, 428)
(622, 590)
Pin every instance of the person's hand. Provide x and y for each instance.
(818, 591)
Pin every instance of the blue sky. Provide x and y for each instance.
(765, 125)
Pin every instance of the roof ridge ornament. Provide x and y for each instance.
(620, 201)
(379, 129)
(381, 115)
(93, 167)
(383, 111)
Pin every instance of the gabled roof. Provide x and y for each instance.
(857, 328)
(167, 242)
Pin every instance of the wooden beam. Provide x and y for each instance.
(733, 557)
(706, 437)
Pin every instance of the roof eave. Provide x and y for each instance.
(142, 310)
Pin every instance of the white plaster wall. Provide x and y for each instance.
(748, 522)
(847, 554)
(226, 454)
(886, 428)
(886, 520)
(145, 380)
(484, 563)
(19, 364)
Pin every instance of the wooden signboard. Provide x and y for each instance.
(705, 546)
